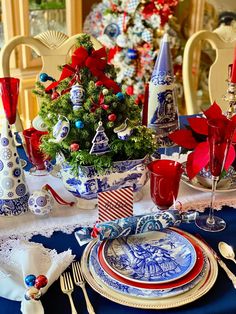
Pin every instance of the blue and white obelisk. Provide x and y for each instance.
(162, 103)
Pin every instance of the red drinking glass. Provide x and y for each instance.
(35, 155)
(9, 91)
(164, 181)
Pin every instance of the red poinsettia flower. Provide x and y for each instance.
(200, 155)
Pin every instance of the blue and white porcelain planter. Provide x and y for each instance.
(87, 185)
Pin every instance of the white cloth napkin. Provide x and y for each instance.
(20, 258)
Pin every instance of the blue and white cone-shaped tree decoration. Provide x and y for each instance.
(14, 193)
(13, 189)
(162, 103)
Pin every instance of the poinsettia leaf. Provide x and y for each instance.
(183, 138)
(197, 160)
(230, 157)
(213, 112)
(199, 125)
(234, 138)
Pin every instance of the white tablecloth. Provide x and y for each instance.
(66, 218)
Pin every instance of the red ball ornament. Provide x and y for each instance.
(74, 147)
(55, 95)
(41, 281)
(112, 117)
(99, 83)
(105, 107)
(130, 90)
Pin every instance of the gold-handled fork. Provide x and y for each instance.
(67, 288)
(80, 281)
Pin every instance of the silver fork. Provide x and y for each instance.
(67, 288)
(80, 281)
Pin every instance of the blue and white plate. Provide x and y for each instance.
(103, 279)
(153, 257)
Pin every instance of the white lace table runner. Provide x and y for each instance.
(66, 219)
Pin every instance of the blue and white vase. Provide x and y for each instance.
(162, 103)
(13, 189)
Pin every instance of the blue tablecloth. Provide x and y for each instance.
(220, 299)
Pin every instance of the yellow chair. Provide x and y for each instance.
(53, 48)
(223, 40)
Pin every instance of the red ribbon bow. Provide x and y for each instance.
(95, 232)
(93, 62)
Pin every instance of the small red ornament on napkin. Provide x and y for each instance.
(115, 204)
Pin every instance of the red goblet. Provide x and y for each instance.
(164, 182)
(220, 134)
(35, 155)
(9, 91)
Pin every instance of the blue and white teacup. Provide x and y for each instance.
(61, 130)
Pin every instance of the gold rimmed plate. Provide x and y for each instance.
(163, 303)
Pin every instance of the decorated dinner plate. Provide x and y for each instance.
(104, 279)
(152, 257)
(195, 271)
(230, 187)
(187, 297)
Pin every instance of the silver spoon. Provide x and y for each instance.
(226, 251)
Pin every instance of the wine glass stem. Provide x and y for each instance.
(210, 219)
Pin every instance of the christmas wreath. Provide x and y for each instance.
(90, 119)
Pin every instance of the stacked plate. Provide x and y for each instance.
(158, 270)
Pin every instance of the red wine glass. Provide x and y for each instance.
(220, 134)
(164, 182)
(36, 157)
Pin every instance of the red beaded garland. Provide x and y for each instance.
(41, 281)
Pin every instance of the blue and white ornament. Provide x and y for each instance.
(124, 131)
(132, 54)
(77, 96)
(112, 30)
(122, 41)
(41, 202)
(60, 130)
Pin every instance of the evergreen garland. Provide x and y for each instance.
(139, 144)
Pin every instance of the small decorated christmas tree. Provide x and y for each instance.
(86, 104)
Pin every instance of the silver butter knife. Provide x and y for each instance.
(229, 273)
